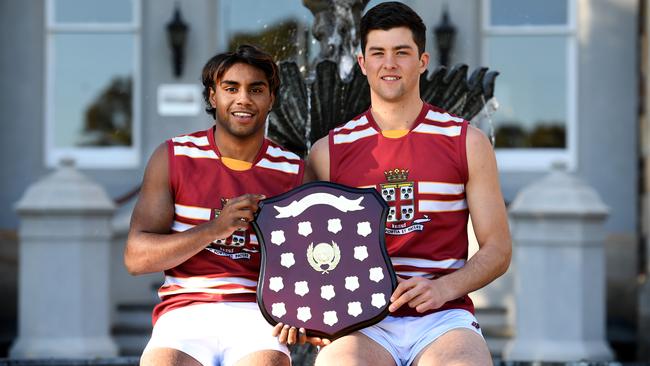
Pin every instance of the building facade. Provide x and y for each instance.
(94, 81)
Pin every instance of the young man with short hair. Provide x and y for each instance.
(434, 170)
(192, 221)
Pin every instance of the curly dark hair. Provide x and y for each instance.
(389, 15)
(246, 54)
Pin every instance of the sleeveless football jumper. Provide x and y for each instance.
(422, 177)
(200, 183)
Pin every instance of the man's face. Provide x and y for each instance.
(392, 64)
(242, 100)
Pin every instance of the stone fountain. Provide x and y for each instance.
(334, 90)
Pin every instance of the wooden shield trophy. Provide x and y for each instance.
(324, 261)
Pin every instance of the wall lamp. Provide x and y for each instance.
(177, 37)
(445, 33)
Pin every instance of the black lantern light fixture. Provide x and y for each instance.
(177, 37)
(445, 33)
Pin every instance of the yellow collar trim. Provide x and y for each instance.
(235, 164)
(394, 134)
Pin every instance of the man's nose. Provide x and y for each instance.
(243, 98)
(389, 61)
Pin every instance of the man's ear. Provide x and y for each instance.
(272, 101)
(361, 61)
(213, 98)
(424, 61)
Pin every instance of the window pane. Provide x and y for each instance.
(529, 12)
(531, 90)
(93, 76)
(281, 27)
(93, 11)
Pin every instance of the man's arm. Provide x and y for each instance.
(150, 247)
(489, 219)
(317, 166)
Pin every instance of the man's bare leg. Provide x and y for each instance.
(355, 349)
(265, 358)
(455, 348)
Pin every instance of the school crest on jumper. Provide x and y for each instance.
(325, 266)
(399, 194)
(239, 245)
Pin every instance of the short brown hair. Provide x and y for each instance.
(393, 14)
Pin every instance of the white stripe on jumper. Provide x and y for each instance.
(283, 166)
(181, 226)
(441, 206)
(353, 136)
(426, 263)
(191, 212)
(353, 124)
(276, 152)
(217, 291)
(442, 117)
(414, 274)
(206, 282)
(194, 152)
(198, 141)
(450, 131)
(440, 188)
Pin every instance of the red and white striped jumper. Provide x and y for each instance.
(422, 176)
(201, 183)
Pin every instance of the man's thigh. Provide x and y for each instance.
(454, 348)
(355, 349)
(167, 356)
(174, 357)
(215, 333)
(265, 358)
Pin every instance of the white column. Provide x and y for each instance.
(64, 268)
(559, 258)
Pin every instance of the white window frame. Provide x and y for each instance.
(541, 159)
(112, 157)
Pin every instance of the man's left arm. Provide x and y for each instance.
(490, 223)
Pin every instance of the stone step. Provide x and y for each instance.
(132, 328)
(131, 344)
(134, 316)
(495, 328)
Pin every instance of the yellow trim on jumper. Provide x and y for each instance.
(394, 134)
(235, 164)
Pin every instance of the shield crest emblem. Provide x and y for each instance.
(324, 261)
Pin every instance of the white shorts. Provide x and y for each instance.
(405, 337)
(215, 333)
